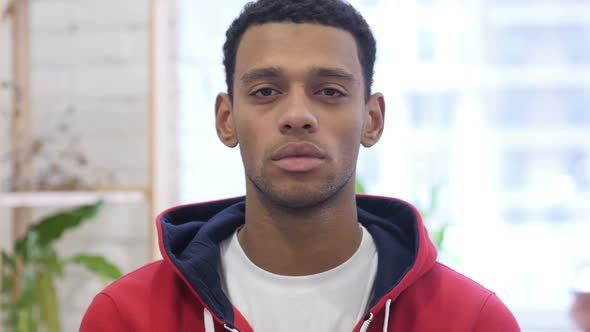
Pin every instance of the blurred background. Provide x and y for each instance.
(487, 132)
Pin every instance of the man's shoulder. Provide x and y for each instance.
(152, 283)
(147, 299)
(451, 281)
(144, 282)
(448, 289)
(453, 292)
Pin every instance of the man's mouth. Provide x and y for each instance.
(298, 157)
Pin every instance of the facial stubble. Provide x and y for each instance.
(301, 194)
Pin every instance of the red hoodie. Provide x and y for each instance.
(182, 292)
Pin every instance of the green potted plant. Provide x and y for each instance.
(28, 297)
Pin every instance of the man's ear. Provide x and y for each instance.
(224, 122)
(374, 120)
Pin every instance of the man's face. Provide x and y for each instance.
(298, 111)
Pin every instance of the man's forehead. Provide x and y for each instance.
(306, 47)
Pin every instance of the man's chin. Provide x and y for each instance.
(297, 195)
(299, 202)
(301, 197)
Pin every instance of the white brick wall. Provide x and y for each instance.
(60, 15)
(92, 57)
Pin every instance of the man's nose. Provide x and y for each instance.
(298, 115)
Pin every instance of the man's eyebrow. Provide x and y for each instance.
(334, 73)
(261, 73)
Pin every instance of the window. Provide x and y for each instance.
(539, 44)
(530, 107)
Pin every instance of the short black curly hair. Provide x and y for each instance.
(334, 13)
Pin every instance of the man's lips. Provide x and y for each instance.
(296, 150)
(299, 157)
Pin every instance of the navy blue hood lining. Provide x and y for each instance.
(394, 227)
(191, 236)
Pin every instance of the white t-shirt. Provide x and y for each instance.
(334, 300)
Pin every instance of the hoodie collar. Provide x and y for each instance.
(190, 235)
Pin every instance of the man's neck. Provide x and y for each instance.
(303, 242)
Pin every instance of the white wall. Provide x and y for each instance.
(92, 57)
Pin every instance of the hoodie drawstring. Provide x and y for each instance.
(208, 320)
(366, 323)
(370, 316)
(386, 321)
(210, 325)
(225, 326)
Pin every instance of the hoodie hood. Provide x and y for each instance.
(189, 238)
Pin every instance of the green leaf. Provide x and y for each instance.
(426, 211)
(27, 248)
(359, 187)
(7, 308)
(7, 284)
(29, 295)
(6, 273)
(51, 263)
(25, 321)
(438, 236)
(52, 227)
(434, 195)
(99, 265)
(24, 313)
(8, 260)
(48, 305)
(8, 311)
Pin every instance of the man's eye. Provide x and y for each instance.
(264, 92)
(331, 92)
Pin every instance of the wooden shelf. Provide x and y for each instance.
(70, 198)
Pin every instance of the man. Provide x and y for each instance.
(300, 252)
